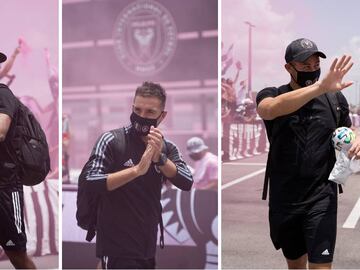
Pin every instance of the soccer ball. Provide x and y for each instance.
(343, 138)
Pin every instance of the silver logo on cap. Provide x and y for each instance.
(306, 44)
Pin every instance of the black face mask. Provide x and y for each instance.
(141, 126)
(306, 78)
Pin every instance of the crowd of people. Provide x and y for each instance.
(243, 132)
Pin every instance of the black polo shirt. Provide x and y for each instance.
(128, 216)
(8, 106)
(301, 155)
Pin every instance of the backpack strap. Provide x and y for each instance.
(274, 132)
(334, 106)
(91, 232)
(161, 222)
(266, 179)
(10, 147)
(161, 230)
(119, 134)
(17, 101)
(3, 86)
(340, 189)
(333, 100)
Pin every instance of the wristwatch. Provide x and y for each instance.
(162, 160)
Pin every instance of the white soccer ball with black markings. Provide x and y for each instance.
(342, 138)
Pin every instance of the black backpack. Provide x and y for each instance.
(29, 145)
(333, 100)
(87, 202)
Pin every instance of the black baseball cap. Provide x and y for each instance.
(301, 49)
(2, 57)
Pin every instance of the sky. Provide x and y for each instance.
(37, 22)
(331, 24)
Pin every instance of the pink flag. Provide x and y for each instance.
(24, 46)
(225, 56)
(238, 65)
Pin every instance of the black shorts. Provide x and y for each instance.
(12, 226)
(312, 233)
(126, 263)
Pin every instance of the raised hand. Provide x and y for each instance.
(228, 92)
(143, 166)
(354, 151)
(332, 82)
(155, 139)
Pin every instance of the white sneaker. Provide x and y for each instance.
(246, 154)
(256, 153)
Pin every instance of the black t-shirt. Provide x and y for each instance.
(302, 156)
(8, 106)
(128, 217)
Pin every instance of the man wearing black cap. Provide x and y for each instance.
(12, 226)
(300, 118)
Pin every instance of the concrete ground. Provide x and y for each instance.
(245, 231)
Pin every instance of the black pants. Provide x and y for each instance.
(125, 263)
(312, 232)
